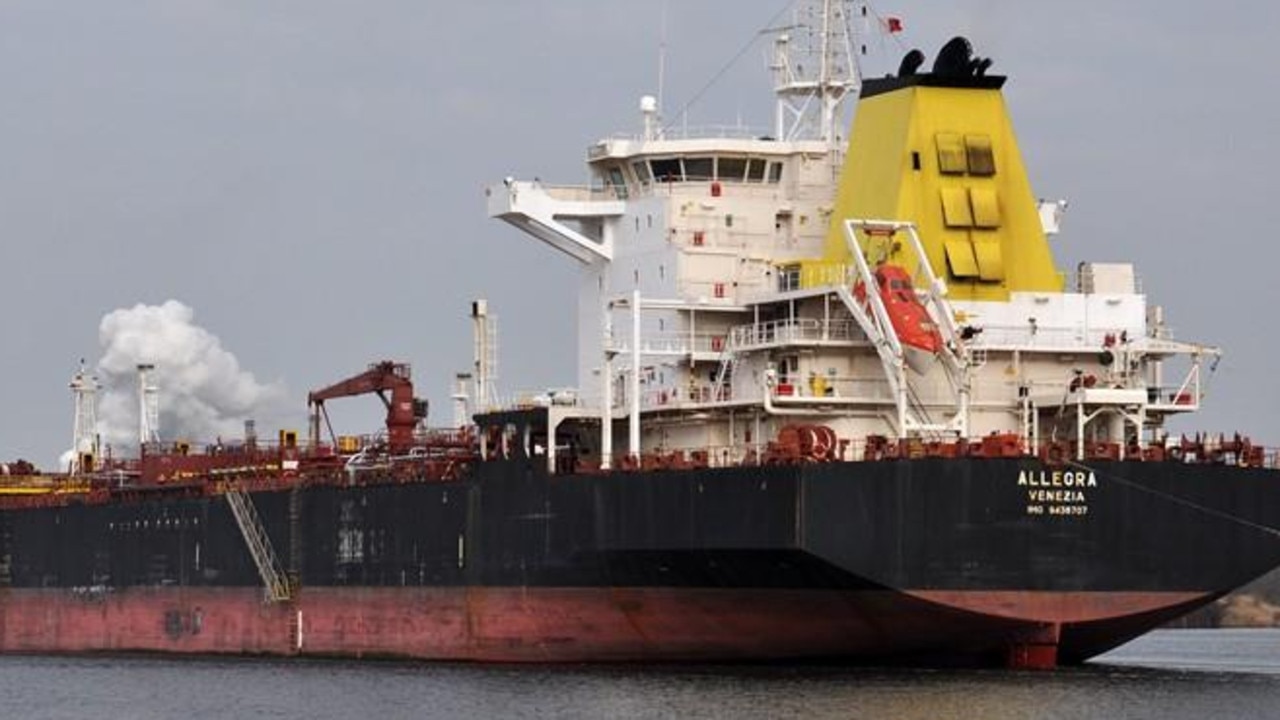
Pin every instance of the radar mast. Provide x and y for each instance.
(814, 70)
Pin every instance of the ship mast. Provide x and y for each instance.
(485, 366)
(84, 434)
(148, 406)
(809, 100)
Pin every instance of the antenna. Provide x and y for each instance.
(808, 100)
(662, 60)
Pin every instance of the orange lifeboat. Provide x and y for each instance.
(918, 334)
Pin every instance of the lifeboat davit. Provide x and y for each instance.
(917, 332)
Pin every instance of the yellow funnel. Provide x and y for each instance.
(940, 151)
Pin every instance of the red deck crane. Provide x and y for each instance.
(404, 411)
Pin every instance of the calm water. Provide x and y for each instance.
(1168, 675)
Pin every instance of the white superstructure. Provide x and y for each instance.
(702, 328)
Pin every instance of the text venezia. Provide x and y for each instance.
(1057, 492)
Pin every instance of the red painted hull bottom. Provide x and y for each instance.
(590, 624)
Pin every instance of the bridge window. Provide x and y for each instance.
(699, 168)
(731, 169)
(667, 170)
(755, 170)
(617, 182)
(642, 172)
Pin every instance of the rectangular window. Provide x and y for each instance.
(618, 183)
(788, 278)
(642, 172)
(698, 168)
(667, 170)
(731, 169)
(951, 156)
(982, 159)
(755, 170)
(775, 172)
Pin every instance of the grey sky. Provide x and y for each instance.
(308, 176)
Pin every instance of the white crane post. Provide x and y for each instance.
(148, 406)
(84, 438)
(635, 375)
(606, 411)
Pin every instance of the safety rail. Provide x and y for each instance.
(1074, 282)
(1031, 336)
(800, 331)
(580, 193)
(43, 484)
(699, 132)
(823, 274)
(547, 397)
(880, 449)
(743, 337)
(793, 332)
(816, 389)
(1203, 449)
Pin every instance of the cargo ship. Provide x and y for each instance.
(866, 417)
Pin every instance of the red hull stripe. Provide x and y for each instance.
(1058, 607)
(538, 624)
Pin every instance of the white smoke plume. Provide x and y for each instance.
(203, 392)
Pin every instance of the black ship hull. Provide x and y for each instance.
(968, 560)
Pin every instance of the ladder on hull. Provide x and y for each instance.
(255, 536)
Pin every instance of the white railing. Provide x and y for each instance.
(814, 390)
(699, 132)
(792, 332)
(580, 193)
(836, 388)
(800, 331)
(560, 397)
(1072, 282)
(1049, 338)
(676, 344)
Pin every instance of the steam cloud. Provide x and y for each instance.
(203, 391)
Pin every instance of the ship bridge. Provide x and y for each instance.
(639, 166)
(568, 218)
(725, 161)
